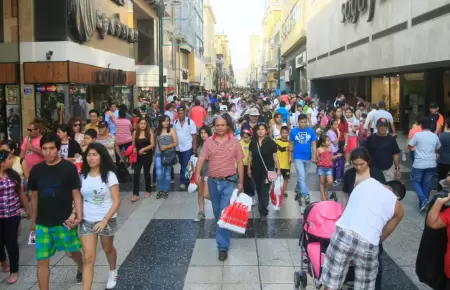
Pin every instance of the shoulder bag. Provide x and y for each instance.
(271, 175)
(168, 157)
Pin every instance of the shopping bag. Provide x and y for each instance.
(235, 216)
(277, 193)
(192, 185)
(190, 167)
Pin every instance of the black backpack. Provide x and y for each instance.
(432, 249)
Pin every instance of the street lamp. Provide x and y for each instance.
(161, 11)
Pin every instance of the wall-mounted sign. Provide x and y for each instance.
(27, 90)
(300, 60)
(351, 10)
(116, 77)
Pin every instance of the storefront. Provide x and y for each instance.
(10, 121)
(295, 74)
(66, 89)
(384, 53)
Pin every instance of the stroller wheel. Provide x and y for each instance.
(297, 280)
(303, 281)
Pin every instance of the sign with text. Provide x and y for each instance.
(113, 77)
(351, 10)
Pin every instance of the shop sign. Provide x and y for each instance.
(117, 77)
(351, 9)
(27, 90)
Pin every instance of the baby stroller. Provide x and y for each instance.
(318, 224)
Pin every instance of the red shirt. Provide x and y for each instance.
(285, 98)
(343, 128)
(198, 114)
(445, 217)
(222, 157)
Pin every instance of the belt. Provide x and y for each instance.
(223, 178)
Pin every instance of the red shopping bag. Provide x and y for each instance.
(235, 216)
(78, 165)
(277, 194)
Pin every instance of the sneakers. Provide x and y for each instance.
(112, 279)
(159, 195)
(307, 199)
(223, 255)
(79, 278)
(200, 216)
(423, 206)
(182, 187)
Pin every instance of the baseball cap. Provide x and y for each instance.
(253, 112)
(223, 108)
(382, 122)
(434, 105)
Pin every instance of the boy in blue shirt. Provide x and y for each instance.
(303, 148)
(284, 113)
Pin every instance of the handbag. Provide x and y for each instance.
(168, 157)
(271, 175)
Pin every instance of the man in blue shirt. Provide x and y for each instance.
(303, 147)
(110, 118)
(284, 113)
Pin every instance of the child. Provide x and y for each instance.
(90, 136)
(325, 164)
(362, 131)
(283, 155)
(202, 192)
(246, 136)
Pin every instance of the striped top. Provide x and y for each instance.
(123, 131)
(222, 157)
(9, 199)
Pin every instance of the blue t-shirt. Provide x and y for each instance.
(302, 139)
(284, 113)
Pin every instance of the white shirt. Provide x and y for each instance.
(378, 114)
(171, 115)
(368, 119)
(313, 113)
(369, 208)
(184, 134)
(97, 199)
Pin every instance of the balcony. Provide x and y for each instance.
(295, 38)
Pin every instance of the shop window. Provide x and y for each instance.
(50, 106)
(387, 89)
(79, 106)
(414, 88)
(10, 113)
(104, 94)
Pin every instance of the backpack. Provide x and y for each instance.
(188, 119)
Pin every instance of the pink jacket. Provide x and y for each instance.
(132, 156)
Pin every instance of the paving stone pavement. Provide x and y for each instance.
(160, 247)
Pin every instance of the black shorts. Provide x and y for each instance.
(286, 173)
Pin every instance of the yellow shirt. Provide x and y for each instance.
(245, 151)
(283, 153)
(91, 126)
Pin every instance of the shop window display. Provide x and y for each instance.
(12, 108)
(50, 106)
(78, 103)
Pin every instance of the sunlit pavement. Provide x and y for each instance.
(160, 247)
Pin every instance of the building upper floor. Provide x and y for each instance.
(293, 24)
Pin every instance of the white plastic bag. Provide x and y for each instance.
(235, 216)
(190, 168)
(278, 185)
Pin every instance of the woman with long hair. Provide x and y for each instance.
(202, 192)
(343, 129)
(261, 159)
(101, 200)
(275, 128)
(70, 149)
(143, 143)
(13, 147)
(353, 128)
(12, 198)
(166, 141)
(123, 130)
(338, 167)
(76, 134)
(109, 141)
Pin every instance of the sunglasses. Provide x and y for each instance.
(76, 125)
(31, 130)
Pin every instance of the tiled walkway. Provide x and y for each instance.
(160, 247)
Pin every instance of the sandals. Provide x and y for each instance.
(135, 198)
(147, 195)
(165, 195)
(13, 278)
(159, 195)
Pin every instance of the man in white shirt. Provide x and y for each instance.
(372, 214)
(187, 142)
(382, 113)
(373, 109)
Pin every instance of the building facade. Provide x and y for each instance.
(224, 72)
(255, 60)
(392, 51)
(209, 22)
(294, 16)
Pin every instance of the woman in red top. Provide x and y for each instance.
(441, 220)
(343, 129)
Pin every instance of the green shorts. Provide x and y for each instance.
(51, 239)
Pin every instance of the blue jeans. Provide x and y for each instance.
(302, 169)
(162, 174)
(184, 158)
(380, 270)
(421, 181)
(411, 156)
(220, 192)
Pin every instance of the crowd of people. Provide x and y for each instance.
(242, 140)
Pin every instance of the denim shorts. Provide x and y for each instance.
(87, 228)
(323, 171)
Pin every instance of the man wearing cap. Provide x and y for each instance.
(384, 151)
(252, 121)
(437, 120)
(382, 113)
